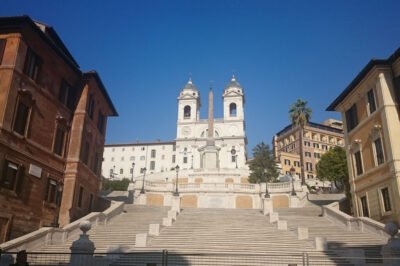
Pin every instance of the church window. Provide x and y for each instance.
(186, 112)
(185, 160)
(112, 159)
(153, 153)
(122, 158)
(132, 158)
(152, 165)
(142, 158)
(232, 109)
(142, 148)
(233, 158)
(173, 158)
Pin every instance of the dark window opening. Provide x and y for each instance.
(80, 197)
(357, 158)
(90, 203)
(380, 159)
(371, 101)
(153, 154)
(90, 106)
(13, 176)
(186, 112)
(85, 153)
(364, 206)
(232, 109)
(21, 118)
(32, 64)
(100, 122)
(152, 165)
(51, 191)
(351, 118)
(2, 48)
(67, 95)
(59, 141)
(386, 199)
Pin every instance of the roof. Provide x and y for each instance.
(96, 76)
(233, 83)
(190, 86)
(311, 124)
(371, 64)
(140, 144)
(45, 32)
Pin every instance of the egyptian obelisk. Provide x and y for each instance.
(210, 156)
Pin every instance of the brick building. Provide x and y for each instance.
(52, 130)
(370, 111)
(318, 138)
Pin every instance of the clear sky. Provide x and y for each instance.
(279, 51)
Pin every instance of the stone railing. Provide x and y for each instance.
(51, 235)
(363, 224)
(283, 187)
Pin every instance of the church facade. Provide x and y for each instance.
(188, 149)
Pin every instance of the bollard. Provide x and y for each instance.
(82, 249)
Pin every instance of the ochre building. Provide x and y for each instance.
(52, 127)
(370, 111)
(318, 139)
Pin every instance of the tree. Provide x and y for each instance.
(333, 167)
(262, 167)
(300, 115)
(115, 184)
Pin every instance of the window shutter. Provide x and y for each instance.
(20, 179)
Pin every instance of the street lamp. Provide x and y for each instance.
(266, 185)
(234, 155)
(133, 168)
(192, 161)
(176, 193)
(113, 173)
(144, 174)
(292, 172)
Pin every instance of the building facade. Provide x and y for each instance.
(52, 127)
(191, 138)
(370, 111)
(318, 139)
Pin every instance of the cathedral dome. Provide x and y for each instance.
(190, 86)
(233, 84)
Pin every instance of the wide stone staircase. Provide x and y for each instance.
(120, 233)
(339, 239)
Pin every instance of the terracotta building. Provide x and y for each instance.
(318, 138)
(52, 128)
(370, 111)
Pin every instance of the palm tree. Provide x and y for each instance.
(300, 114)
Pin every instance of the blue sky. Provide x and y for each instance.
(279, 51)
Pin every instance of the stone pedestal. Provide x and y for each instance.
(302, 233)
(141, 240)
(294, 202)
(142, 199)
(391, 251)
(176, 204)
(282, 225)
(273, 217)
(82, 249)
(154, 229)
(267, 206)
(320, 243)
(167, 221)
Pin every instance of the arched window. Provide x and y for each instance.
(186, 112)
(232, 109)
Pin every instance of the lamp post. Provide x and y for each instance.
(133, 170)
(113, 173)
(144, 175)
(236, 160)
(176, 193)
(292, 172)
(192, 161)
(266, 185)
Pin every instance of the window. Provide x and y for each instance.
(307, 143)
(113, 149)
(66, 95)
(173, 158)
(309, 166)
(133, 148)
(2, 48)
(96, 163)
(111, 172)
(325, 147)
(112, 159)
(121, 171)
(80, 197)
(21, 118)
(310, 176)
(379, 157)
(308, 154)
(174, 147)
(142, 170)
(142, 148)
(90, 203)
(13, 176)
(85, 153)
(386, 199)
(351, 118)
(364, 206)
(371, 101)
(186, 112)
(153, 154)
(233, 158)
(132, 158)
(232, 109)
(100, 122)
(287, 162)
(317, 155)
(32, 64)
(358, 163)
(131, 170)
(316, 145)
(152, 165)
(163, 157)
(122, 158)
(90, 106)
(142, 158)
(51, 191)
(185, 160)
(296, 163)
(59, 140)
(123, 149)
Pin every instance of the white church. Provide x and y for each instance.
(188, 149)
